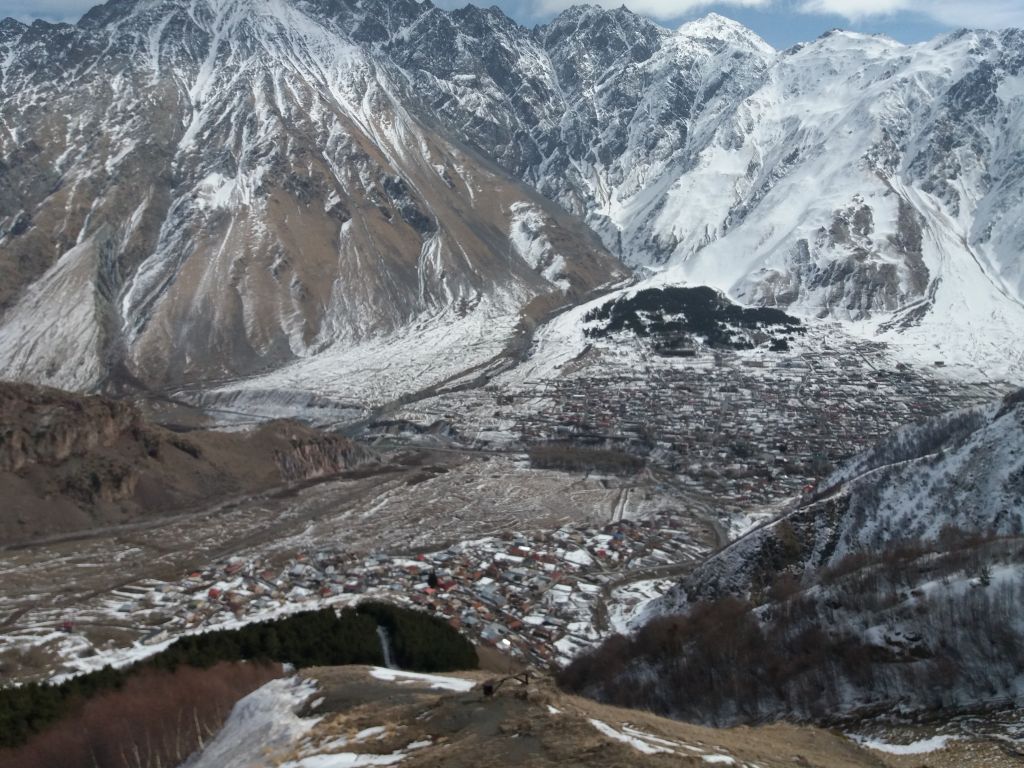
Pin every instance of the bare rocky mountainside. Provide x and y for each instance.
(71, 463)
(198, 191)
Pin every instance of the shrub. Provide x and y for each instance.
(154, 718)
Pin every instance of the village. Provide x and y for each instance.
(540, 597)
(745, 428)
(462, 519)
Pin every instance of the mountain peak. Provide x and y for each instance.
(587, 16)
(714, 26)
(583, 10)
(603, 33)
(107, 13)
(10, 26)
(717, 18)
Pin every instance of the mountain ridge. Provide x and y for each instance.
(245, 184)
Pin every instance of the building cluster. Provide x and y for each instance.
(748, 430)
(541, 596)
(745, 430)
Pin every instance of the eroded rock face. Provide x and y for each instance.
(313, 457)
(855, 271)
(71, 462)
(46, 427)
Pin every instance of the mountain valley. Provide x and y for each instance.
(678, 370)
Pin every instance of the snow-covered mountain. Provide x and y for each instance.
(345, 191)
(204, 190)
(851, 177)
(907, 569)
(958, 476)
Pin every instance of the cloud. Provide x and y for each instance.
(658, 9)
(990, 14)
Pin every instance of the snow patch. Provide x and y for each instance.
(437, 682)
(528, 238)
(922, 747)
(635, 742)
(261, 726)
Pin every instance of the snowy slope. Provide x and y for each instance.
(267, 181)
(264, 195)
(949, 479)
(852, 177)
(972, 482)
(867, 189)
(898, 589)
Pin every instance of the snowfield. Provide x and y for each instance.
(260, 726)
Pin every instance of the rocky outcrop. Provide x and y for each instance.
(71, 462)
(45, 426)
(310, 456)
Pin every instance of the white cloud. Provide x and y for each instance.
(990, 14)
(658, 9)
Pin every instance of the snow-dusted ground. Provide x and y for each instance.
(377, 370)
(627, 609)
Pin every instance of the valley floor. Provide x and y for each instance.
(590, 552)
(538, 563)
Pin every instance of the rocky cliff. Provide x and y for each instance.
(70, 462)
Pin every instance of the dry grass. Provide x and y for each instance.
(156, 720)
(517, 728)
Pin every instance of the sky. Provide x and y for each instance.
(781, 22)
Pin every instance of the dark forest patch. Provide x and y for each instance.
(680, 320)
(423, 643)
